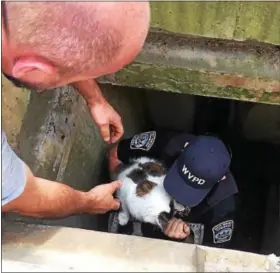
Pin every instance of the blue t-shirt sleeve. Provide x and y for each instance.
(13, 173)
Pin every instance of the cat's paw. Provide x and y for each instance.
(123, 218)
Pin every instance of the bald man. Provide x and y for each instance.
(51, 44)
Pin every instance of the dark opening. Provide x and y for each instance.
(255, 162)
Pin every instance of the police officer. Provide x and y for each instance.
(198, 179)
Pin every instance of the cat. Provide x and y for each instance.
(142, 195)
(144, 199)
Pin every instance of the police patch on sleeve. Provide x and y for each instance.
(143, 141)
(223, 232)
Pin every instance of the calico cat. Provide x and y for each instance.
(142, 195)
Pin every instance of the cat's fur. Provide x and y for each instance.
(142, 195)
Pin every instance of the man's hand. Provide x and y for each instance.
(43, 198)
(177, 229)
(101, 198)
(108, 121)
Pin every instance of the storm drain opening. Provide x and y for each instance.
(252, 131)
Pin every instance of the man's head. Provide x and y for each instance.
(203, 163)
(49, 44)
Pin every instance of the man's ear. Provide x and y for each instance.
(32, 66)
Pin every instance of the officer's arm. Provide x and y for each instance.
(219, 224)
(144, 144)
(159, 144)
(150, 143)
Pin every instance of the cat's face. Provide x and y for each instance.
(158, 210)
(163, 219)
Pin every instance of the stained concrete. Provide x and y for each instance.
(48, 130)
(67, 249)
(14, 106)
(246, 71)
(237, 20)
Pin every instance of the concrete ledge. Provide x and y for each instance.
(41, 248)
(247, 71)
(225, 260)
(82, 250)
(12, 266)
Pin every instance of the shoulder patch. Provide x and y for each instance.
(223, 232)
(143, 141)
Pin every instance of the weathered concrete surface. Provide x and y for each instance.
(60, 141)
(12, 266)
(48, 130)
(208, 67)
(220, 19)
(211, 259)
(67, 249)
(14, 105)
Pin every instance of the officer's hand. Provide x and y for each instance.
(113, 158)
(177, 229)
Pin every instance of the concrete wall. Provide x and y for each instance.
(237, 20)
(14, 105)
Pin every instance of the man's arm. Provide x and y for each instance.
(91, 92)
(107, 119)
(48, 199)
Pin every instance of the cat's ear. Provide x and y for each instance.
(144, 187)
